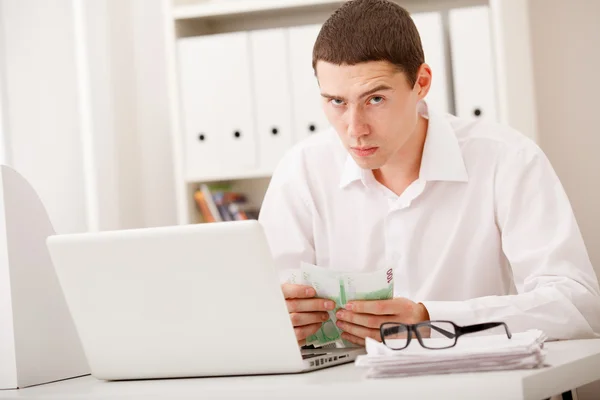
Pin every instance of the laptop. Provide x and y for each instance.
(181, 301)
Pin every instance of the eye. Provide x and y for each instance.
(375, 100)
(337, 102)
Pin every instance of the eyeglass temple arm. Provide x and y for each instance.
(397, 329)
(483, 327)
(449, 335)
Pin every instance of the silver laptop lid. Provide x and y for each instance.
(194, 300)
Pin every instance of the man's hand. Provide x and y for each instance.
(306, 312)
(362, 319)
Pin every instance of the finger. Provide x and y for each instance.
(359, 331)
(353, 339)
(302, 332)
(367, 320)
(291, 291)
(397, 306)
(308, 305)
(308, 318)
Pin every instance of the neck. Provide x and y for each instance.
(403, 169)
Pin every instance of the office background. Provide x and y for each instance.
(96, 95)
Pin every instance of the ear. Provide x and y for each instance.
(423, 82)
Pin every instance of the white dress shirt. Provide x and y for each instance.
(486, 233)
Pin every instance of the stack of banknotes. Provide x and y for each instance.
(341, 287)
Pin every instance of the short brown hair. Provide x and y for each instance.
(370, 30)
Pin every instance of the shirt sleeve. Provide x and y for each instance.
(287, 217)
(557, 287)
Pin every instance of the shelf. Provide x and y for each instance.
(210, 9)
(250, 174)
(220, 8)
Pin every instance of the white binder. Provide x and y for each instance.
(270, 69)
(38, 339)
(431, 31)
(472, 62)
(217, 112)
(308, 115)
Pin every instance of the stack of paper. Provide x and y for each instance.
(471, 354)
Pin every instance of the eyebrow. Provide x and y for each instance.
(377, 88)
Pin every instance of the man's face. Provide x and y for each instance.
(372, 107)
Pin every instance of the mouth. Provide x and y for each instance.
(364, 151)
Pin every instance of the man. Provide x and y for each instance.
(470, 214)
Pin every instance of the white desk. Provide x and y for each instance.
(572, 364)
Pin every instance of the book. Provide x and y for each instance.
(210, 202)
(202, 204)
(218, 202)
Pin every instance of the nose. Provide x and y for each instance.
(357, 125)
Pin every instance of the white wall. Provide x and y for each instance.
(566, 54)
(110, 51)
(103, 139)
(84, 110)
(3, 103)
(41, 103)
(154, 124)
(126, 53)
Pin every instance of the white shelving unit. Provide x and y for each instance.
(510, 48)
(226, 8)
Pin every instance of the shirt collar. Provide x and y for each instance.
(442, 157)
(352, 172)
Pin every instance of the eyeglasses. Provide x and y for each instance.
(430, 334)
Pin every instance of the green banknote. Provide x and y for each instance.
(342, 287)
